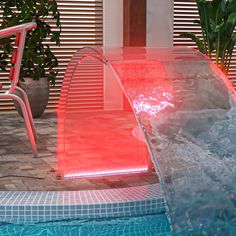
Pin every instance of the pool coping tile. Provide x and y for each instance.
(31, 207)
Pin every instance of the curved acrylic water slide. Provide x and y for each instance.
(95, 136)
(185, 107)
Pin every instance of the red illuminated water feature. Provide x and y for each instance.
(101, 142)
(96, 142)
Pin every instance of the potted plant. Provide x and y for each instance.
(39, 64)
(217, 19)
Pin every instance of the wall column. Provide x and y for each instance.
(112, 37)
(134, 25)
(160, 14)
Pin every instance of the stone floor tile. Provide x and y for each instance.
(17, 161)
(10, 187)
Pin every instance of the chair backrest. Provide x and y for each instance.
(20, 32)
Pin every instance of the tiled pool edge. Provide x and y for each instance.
(33, 207)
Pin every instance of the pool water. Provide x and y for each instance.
(153, 225)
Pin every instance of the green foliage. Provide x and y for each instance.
(38, 60)
(217, 21)
(5, 49)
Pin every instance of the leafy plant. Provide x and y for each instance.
(217, 21)
(38, 59)
(5, 49)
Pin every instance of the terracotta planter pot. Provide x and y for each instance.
(38, 94)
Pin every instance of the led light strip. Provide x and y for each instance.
(102, 173)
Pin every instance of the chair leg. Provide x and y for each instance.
(26, 101)
(26, 118)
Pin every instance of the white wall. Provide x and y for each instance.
(113, 23)
(160, 23)
(113, 37)
(159, 34)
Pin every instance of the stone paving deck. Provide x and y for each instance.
(19, 171)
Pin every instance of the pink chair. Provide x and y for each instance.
(20, 32)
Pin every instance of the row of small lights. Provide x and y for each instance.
(110, 172)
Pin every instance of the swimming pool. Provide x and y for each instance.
(135, 226)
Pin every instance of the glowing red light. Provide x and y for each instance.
(105, 173)
(95, 142)
(146, 85)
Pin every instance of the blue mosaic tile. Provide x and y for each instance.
(27, 207)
